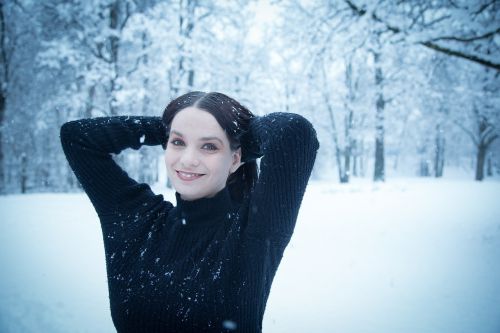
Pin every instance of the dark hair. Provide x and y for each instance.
(234, 119)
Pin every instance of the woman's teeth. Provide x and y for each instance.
(189, 175)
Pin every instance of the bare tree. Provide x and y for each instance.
(484, 133)
(4, 70)
(379, 168)
(190, 14)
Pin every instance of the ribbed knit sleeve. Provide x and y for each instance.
(88, 144)
(289, 145)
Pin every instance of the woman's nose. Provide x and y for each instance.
(190, 158)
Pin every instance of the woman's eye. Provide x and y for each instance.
(209, 146)
(177, 142)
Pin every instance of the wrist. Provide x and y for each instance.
(250, 143)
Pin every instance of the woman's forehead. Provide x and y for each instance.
(195, 122)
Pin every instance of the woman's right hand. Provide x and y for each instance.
(251, 147)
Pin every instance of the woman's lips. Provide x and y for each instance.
(188, 176)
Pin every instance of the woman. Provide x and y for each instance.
(206, 264)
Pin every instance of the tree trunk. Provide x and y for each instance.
(3, 92)
(400, 142)
(24, 175)
(190, 79)
(347, 163)
(379, 172)
(481, 154)
(338, 159)
(191, 7)
(180, 82)
(439, 156)
(487, 136)
(424, 168)
(489, 166)
(113, 49)
(89, 103)
(424, 160)
(338, 150)
(148, 163)
(2, 117)
(355, 156)
(348, 126)
(349, 141)
(362, 170)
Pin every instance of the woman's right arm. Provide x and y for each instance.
(88, 144)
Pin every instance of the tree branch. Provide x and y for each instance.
(466, 130)
(467, 39)
(362, 11)
(127, 16)
(136, 65)
(430, 43)
(462, 55)
(355, 8)
(491, 139)
(483, 7)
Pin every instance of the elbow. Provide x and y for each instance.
(66, 137)
(65, 131)
(70, 131)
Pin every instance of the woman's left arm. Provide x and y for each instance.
(288, 145)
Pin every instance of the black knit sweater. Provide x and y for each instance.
(201, 266)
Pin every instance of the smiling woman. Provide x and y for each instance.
(206, 264)
(199, 165)
(212, 124)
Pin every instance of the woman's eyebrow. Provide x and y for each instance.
(175, 132)
(208, 138)
(205, 138)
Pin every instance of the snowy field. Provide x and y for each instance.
(409, 256)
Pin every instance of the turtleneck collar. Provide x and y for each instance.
(204, 210)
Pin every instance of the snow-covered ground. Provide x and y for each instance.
(410, 255)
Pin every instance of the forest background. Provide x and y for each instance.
(393, 88)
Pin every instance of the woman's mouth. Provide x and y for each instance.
(188, 176)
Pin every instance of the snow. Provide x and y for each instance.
(409, 255)
(229, 324)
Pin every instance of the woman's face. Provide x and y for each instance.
(198, 156)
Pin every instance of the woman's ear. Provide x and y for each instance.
(236, 163)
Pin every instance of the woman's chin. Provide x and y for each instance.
(188, 193)
(190, 196)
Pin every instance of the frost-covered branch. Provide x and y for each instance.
(484, 7)
(467, 131)
(431, 42)
(463, 55)
(467, 39)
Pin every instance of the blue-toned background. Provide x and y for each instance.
(399, 230)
